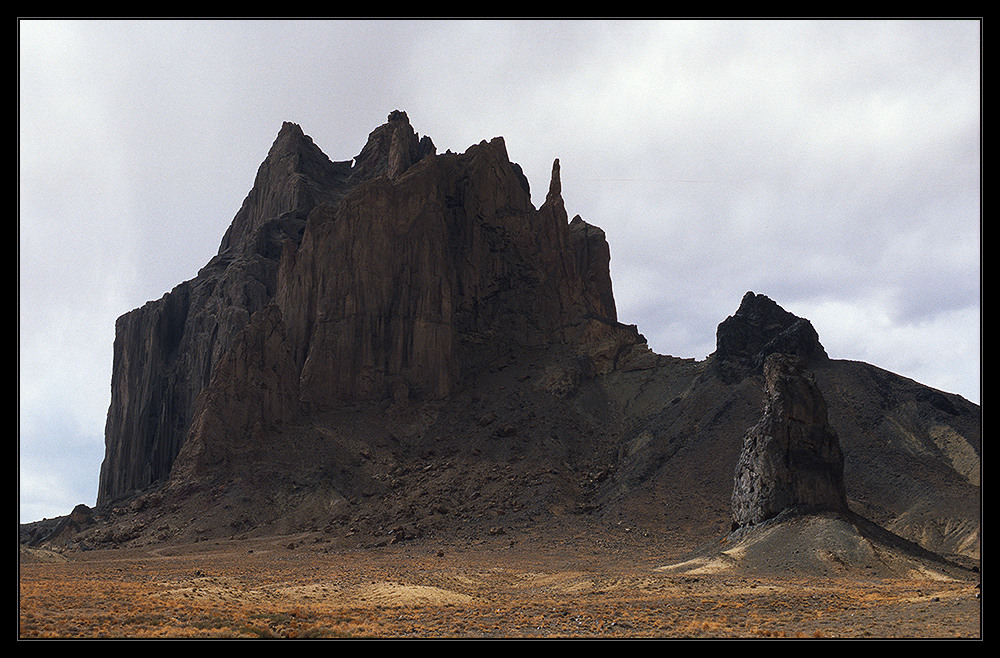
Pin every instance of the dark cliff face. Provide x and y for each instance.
(414, 281)
(294, 177)
(791, 459)
(403, 272)
(759, 328)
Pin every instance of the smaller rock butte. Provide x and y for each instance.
(758, 328)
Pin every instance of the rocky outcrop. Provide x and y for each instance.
(288, 379)
(58, 530)
(253, 388)
(593, 262)
(391, 149)
(294, 178)
(412, 282)
(791, 460)
(165, 352)
(397, 273)
(759, 328)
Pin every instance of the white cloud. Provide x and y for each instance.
(934, 351)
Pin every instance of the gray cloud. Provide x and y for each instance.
(834, 166)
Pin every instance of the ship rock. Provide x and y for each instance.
(401, 343)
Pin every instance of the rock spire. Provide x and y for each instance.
(791, 459)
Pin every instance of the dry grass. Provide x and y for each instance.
(488, 590)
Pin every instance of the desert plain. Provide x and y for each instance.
(601, 582)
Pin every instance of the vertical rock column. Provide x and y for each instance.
(791, 459)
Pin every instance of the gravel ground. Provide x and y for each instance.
(513, 585)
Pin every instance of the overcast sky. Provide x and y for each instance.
(832, 166)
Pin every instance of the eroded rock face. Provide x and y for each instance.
(394, 274)
(253, 388)
(165, 352)
(758, 328)
(391, 149)
(791, 460)
(593, 263)
(412, 282)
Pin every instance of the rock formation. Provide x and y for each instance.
(397, 275)
(411, 282)
(791, 460)
(758, 328)
(165, 352)
(52, 531)
(384, 338)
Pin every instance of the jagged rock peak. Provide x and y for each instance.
(451, 267)
(791, 460)
(294, 177)
(391, 149)
(758, 328)
(290, 129)
(593, 263)
(555, 184)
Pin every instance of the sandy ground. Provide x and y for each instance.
(503, 586)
